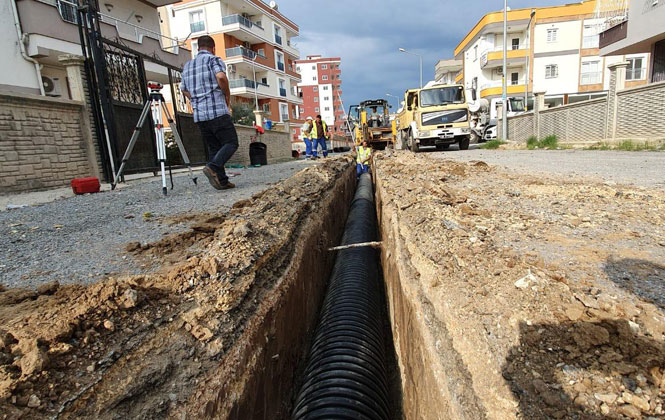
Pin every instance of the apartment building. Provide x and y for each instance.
(48, 29)
(550, 49)
(256, 42)
(448, 71)
(321, 90)
(642, 32)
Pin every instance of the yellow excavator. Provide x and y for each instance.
(370, 121)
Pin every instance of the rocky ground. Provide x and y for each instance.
(550, 286)
(82, 239)
(150, 345)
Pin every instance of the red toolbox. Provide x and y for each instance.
(85, 185)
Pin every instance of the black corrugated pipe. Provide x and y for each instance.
(346, 375)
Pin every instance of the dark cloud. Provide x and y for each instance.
(367, 35)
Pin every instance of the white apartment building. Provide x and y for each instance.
(255, 41)
(550, 49)
(448, 71)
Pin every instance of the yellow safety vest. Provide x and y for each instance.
(363, 153)
(314, 133)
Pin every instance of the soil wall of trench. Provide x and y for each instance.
(222, 334)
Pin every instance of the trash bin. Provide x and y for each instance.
(258, 153)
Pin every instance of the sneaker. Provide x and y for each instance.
(227, 186)
(212, 178)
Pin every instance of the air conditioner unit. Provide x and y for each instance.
(230, 68)
(51, 86)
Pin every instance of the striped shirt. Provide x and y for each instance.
(198, 78)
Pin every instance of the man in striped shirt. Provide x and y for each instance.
(205, 83)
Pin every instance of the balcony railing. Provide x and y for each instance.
(498, 83)
(278, 39)
(244, 83)
(197, 26)
(240, 51)
(231, 19)
(282, 92)
(280, 66)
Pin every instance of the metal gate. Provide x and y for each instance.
(117, 84)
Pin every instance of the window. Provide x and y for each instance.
(552, 34)
(514, 78)
(266, 107)
(326, 108)
(324, 77)
(298, 69)
(635, 70)
(324, 67)
(283, 112)
(67, 12)
(475, 53)
(196, 23)
(282, 87)
(590, 73)
(316, 88)
(278, 37)
(313, 67)
(516, 44)
(326, 98)
(302, 110)
(195, 48)
(264, 80)
(261, 52)
(325, 87)
(314, 78)
(316, 99)
(590, 39)
(279, 58)
(551, 71)
(316, 109)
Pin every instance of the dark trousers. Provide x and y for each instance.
(221, 139)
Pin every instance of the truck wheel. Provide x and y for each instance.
(442, 146)
(464, 143)
(412, 141)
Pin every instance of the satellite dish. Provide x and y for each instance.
(273, 5)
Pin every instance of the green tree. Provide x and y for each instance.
(243, 114)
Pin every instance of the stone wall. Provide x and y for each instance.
(633, 113)
(42, 143)
(640, 112)
(279, 145)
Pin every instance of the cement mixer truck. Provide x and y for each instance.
(484, 115)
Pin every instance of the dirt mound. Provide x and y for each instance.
(547, 289)
(143, 346)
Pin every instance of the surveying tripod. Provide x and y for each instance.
(156, 104)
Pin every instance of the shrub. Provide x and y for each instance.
(549, 142)
(532, 143)
(492, 144)
(243, 114)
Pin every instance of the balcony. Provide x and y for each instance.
(245, 83)
(195, 27)
(245, 88)
(494, 57)
(232, 19)
(243, 29)
(240, 52)
(495, 87)
(291, 49)
(614, 34)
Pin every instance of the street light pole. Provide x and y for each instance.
(420, 61)
(528, 51)
(504, 96)
(256, 97)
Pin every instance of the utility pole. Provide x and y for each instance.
(528, 52)
(504, 96)
(420, 60)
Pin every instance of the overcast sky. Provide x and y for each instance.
(366, 34)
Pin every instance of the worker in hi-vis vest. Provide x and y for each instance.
(363, 153)
(319, 134)
(306, 130)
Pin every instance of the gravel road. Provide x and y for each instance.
(82, 238)
(646, 169)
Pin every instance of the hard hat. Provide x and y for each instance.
(309, 118)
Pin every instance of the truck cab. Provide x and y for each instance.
(435, 116)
